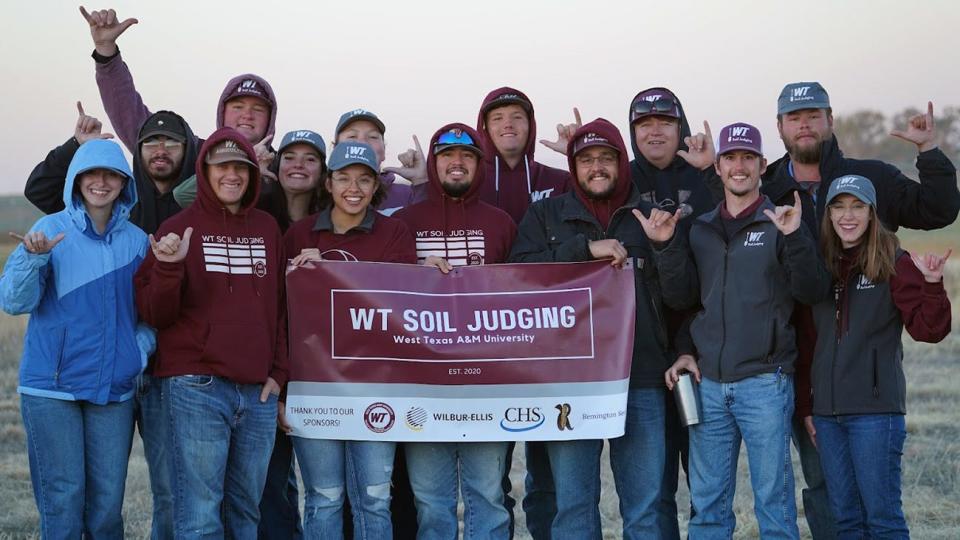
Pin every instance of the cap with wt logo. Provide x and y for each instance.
(304, 136)
(802, 95)
(250, 87)
(856, 185)
(508, 98)
(592, 139)
(358, 114)
(353, 153)
(654, 102)
(739, 136)
(226, 152)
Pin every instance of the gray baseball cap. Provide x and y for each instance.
(304, 136)
(353, 153)
(358, 114)
(856, 185)
(802, 95)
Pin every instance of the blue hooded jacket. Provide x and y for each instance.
(83, 341)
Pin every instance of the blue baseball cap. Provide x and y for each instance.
(353, 153)
(802, 95)
(358, 114)
(856, 185)
(304, 136)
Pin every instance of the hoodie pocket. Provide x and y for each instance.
(59, 339)
(239, 348)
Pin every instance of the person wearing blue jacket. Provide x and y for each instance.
(83, 349)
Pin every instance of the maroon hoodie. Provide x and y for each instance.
(220, 310)
(377, 238)
(464, 231)
(512, 190)
(602, 209)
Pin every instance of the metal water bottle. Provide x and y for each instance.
(686, 392)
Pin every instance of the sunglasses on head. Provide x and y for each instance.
(456, 136)
(662, 105)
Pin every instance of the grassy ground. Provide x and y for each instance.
(931, 463)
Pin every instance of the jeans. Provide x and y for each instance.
(280, 504)
(152, 422)
(361, 470)
(540, 500)
(637, 460)
(861, 457)
(78, 456)
(221, 437)
(677, 456)
(438, 471)
(575, 467)
(816, 503)
(757, 411)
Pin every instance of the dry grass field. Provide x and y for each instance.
(931, 465)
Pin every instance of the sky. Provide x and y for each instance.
(422, 64)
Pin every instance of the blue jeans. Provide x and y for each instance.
(637, 460)
(362, 470)
(756, 411)
(152, 423)
(540, 497)
(279, 504)
(438, 471)
(78, 455)
(221, 437)
(575, 467)
(677, 456)
(861, 457)
(816, 503)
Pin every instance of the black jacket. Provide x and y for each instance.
(558, 230)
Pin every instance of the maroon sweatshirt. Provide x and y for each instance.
(378, 238)
(220, 310)
(464, 231)
(603, 209)
(512, 190)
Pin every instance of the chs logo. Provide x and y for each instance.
(416, 417)
(754, 239)
(517, 419)
(563, 417)
(379, 417)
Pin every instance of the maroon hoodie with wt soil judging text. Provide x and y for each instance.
(464, 231)
(512, 190)
(220, 310)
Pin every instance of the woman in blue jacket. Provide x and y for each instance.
(83, 349)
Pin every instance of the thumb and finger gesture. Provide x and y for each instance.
(413, 164)
(931, 265)
(171, 248)
(661, 224)
(105, 28)
(88, 127)
(786, 218)
(564, 134)
(37, 243)
(921, 130)
(700, 152)
(262, 150)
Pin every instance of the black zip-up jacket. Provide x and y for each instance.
(558, 230)
(747, 287)
(933, 203)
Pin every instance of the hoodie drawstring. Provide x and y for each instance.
(526, 165)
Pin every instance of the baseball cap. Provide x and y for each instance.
(250, 87)
(304, 136)
(353, 153)
(358, 114)
(508, 98)
(655, 101)
(592, 139)
(225, 152)
(456, 138)
(856, 185)
(740, 136)
(802, 95)
(163, 123)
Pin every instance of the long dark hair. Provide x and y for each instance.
(273, 199)
(876, 258)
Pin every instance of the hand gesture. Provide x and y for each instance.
(610, 247)
(931, 266)
(439, 262)
(413, 164)
(564, 134)
(660, 226)
(811, 430)
(786, 218)
(37, 243)
(264, 155)
(306, 255)
(921, 130)
(88, 127)
(171, 248)
(700, 152)
(684, 363)
(105, 29)
(269, 387)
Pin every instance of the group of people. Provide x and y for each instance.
(156, 299)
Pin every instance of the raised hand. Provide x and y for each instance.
(684, 363)
(609, 247)
(88, 127)
(661, 224)
(921, 130)
(564, 134)
(171, 248)
(413, 164)
(786, 218)
(700, 152)
(264, 155)
(105, 29)
(931, 266)
(37, 243)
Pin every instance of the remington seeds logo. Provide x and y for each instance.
(563, 417)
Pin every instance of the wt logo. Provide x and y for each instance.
(301, 135)
(846, 181)
(800, 93)
(355, 151)
(379, 417)
(754, 239)
(653, 97)
(864, 283)
(738, 131)
(249, 84)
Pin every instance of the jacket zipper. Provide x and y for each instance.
(876, 376)
(837, 290)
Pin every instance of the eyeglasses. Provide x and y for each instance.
(156, 144)
(857, 209)
(604, 159)
(662, 105)
(363, 183)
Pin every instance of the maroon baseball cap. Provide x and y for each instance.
(654, 102)
(592, 139)
(250, 87)
(740, 136)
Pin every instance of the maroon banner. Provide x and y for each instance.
(511, 323)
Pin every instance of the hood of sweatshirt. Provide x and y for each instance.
(435, 191)
(638, 158)
(206, 197)
(263, 88)
(98, 154)
(498, 94)
(602, 209)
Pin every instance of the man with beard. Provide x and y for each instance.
(594, 221)
(813, 159)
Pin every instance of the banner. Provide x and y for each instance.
(399, 352)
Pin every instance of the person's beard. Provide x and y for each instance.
(807, 155)
(456, 189)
